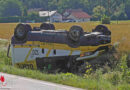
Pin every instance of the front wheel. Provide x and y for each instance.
(21, 31)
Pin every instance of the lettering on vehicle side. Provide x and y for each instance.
(27, 66)
(35, 52)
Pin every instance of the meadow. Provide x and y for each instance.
(120, 31)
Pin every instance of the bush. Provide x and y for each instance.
(115, 79)
(106, 20)
(9, 19)
(128, 60)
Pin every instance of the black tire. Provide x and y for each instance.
(21, 30)
(47, 26)
(103, 29)
(73, 44)
(52, 26)
(75, 33)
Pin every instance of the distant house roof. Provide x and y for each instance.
(78, 13)
(46, 13)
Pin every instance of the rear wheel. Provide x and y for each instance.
(75, 33)
(74, 36)
(103, 29)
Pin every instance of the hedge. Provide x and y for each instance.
(21, 19)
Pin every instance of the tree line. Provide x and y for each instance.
(116, 9)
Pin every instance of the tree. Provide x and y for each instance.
(35, 3)
(10, 8)
(127, 8)
(111, 8)
(98, 12)
(120, 12)
(62, 5)
(88, 5)
(25, 13)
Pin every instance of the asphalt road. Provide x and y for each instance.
(21, 83)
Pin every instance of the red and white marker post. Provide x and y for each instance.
(2, 79)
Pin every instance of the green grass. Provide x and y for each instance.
(118, 79)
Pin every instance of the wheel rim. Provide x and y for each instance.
(75, 34)
(20, 31)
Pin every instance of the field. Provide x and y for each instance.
(120, 31)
